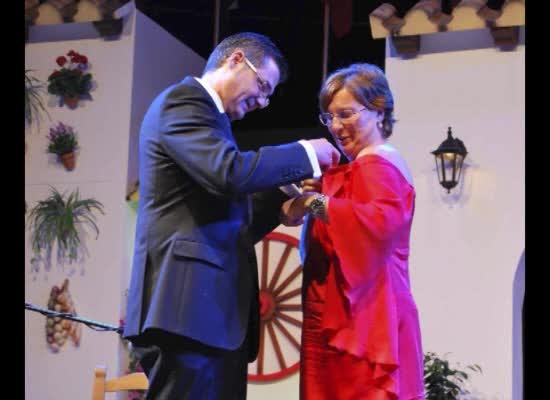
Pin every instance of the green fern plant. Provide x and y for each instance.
(441, 381)
(57, 218)
(34, 105)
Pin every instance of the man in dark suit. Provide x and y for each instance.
(192, 313)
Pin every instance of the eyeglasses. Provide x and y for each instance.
(343, 116)
(263, 85)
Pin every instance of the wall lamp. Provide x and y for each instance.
(449, 159)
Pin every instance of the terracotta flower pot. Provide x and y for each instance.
(71, 101)
(68, 160)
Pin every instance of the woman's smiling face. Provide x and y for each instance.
(353, 126)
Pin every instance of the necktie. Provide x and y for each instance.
(304, 237)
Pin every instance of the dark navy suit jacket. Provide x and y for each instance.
(194, 267)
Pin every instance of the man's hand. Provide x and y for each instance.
(311, 185)
(327, 154)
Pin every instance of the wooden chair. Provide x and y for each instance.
(133, 381)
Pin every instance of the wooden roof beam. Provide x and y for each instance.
(427, 16)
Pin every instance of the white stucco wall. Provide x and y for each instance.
(466, 245)
(128, 75)
(102, 126)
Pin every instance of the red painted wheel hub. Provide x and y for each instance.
(267, 305)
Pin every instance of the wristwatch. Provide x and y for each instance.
(317, 206)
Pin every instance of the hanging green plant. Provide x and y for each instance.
(441, 381)
(56, 219)
(34, 105)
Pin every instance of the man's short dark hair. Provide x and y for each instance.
(256, 48)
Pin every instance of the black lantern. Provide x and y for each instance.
(449, 158)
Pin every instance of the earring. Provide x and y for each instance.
(380, 125)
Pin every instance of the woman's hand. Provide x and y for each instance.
(293, 212)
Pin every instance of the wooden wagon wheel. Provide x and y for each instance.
(280, 308)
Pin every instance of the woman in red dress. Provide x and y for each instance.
(360, 335)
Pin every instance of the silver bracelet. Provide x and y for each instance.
(317, 206)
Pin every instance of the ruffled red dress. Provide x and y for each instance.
(360, 334)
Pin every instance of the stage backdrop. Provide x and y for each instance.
(467, 245)
(128, 72)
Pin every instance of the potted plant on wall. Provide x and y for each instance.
(441, 381)
(63, 143)
(57, 219)
(33, 100)
(70, 82)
